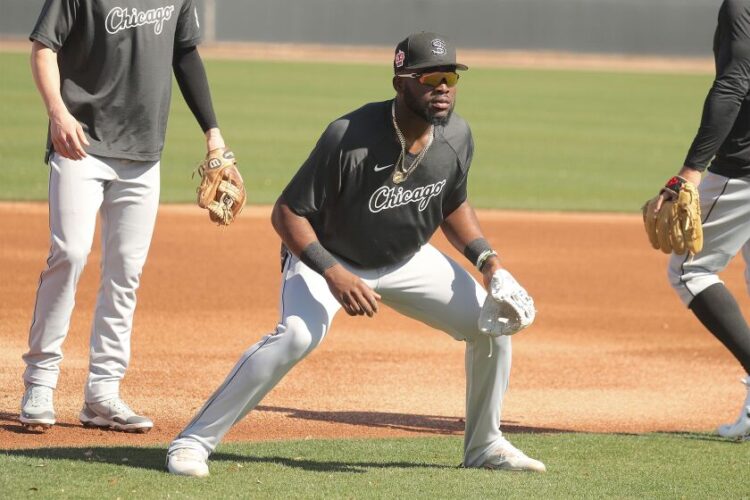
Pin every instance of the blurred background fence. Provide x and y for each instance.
(633, 27)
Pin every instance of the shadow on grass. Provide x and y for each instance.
(697, 436)
(428, 424)
(154, 459)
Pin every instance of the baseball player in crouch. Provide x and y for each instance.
(724, 193)
(104, 71)
(355, 222)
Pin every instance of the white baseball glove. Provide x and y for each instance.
(508, 309)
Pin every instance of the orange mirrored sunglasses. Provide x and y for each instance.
(434, 79)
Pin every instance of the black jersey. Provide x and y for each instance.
(345, 187)
(724, 133)
(115, 60)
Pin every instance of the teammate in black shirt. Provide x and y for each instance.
(104, 71)
(723, 140)
(355, 222)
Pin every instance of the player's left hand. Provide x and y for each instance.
(672, 219)
(508, 308)
(489, 268)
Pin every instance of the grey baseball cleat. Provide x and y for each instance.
(741, 428)
(187, 462)
(37, 411)
(114, 414)
(738, 430)
(505, 456)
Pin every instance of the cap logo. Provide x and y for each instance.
(438, 47)
(398, 61)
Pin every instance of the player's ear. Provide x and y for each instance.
(399, 84)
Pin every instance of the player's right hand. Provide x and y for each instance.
(67, 136)
(353, 294)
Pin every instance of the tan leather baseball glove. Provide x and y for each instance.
(677, 226)
(221, 191)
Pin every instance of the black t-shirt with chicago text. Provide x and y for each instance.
(724, 133)
(345, 187)
(115, 60)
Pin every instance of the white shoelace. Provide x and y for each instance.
(119, 406)
(506, 445)
(41, 396)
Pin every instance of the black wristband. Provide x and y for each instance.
(475, 248)
(317, 258)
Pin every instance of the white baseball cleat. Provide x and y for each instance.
(505, 456)
(114, 414)
(37, 411)
(741, 428)
(187, 462)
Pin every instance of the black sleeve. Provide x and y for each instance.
(188, 32)
(318, 180)
(191, 77)
(459, 195)
(731, 86)
(55, 23)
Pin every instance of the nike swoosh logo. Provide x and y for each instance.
(378, 168)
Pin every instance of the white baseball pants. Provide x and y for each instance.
(725, 208)
(126, 194)
(429, 287)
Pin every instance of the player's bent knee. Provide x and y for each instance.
(73, 256)
(300, 338)
(688, 285)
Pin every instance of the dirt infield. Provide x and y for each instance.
(612, 349)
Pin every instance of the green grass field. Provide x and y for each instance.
(545, 140)
(579, 466)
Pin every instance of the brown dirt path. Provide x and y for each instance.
(365, 54)
(612, 349)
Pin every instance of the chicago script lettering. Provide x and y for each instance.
(120, 18)
(391, 197)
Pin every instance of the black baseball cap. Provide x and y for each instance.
(425, 50)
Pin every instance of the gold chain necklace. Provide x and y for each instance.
(401, 172)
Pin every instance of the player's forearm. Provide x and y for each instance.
(193, 82)
(691, 174)
(214, 139)
(463, 232)
(46, 75)
(295, 231)
(299, 237)
(462, 227)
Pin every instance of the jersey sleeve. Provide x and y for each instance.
(459, 193)
(318, 180)
(55, 23)
(188, 32)
(731, 86)
(193, 82)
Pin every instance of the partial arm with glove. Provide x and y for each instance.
(222, 189)
(508, 308)
(672, 219)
